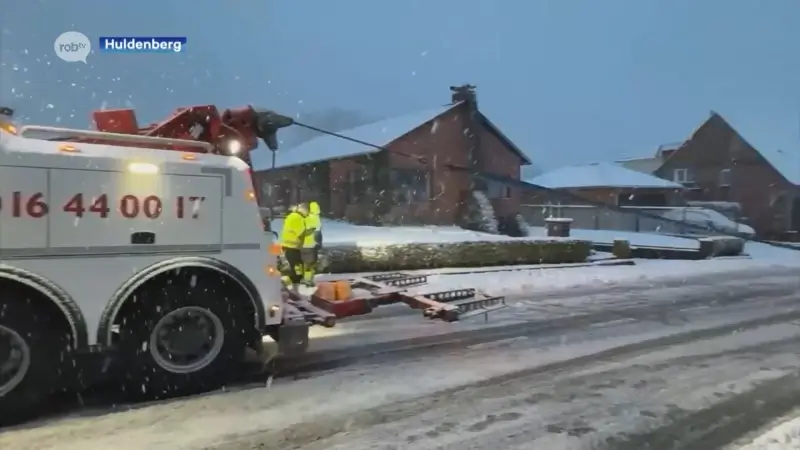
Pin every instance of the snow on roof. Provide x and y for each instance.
(601, 174)
(324, 148)
(779, 144)
(644, 165)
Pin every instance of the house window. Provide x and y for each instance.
(267, 190)
(776, 199)
(410, 185)
(495, 189)
(683, 176)
(357, 186)
(725, 177)
(278, 193)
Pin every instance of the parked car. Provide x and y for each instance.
(708, 219)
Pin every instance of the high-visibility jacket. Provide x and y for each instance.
(294, 230)
(313, 227)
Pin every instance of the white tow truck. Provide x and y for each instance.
(158, 255)
(140, 255)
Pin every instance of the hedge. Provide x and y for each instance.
(350, 259)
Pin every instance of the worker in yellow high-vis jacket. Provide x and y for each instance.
(293, 236)
(312, 243)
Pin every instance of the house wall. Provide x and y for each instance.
(304, 183)
(339, 180)
(439, 143)
(764, 194)
(445, 144)
(264, 179)
(499, 160)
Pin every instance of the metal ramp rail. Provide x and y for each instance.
(372, 291)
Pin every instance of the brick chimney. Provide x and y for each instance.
(464, 93)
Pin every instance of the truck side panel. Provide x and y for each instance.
(113, 205)
(23, 218)
(243, 230)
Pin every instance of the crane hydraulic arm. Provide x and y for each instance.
(233, 132)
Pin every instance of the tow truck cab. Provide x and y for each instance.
(158, 255)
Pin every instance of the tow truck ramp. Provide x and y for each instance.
(369, 292)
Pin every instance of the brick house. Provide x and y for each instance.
(603, 182)
(407, 179)
(718, 164)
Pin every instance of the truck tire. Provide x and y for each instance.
(32, 348)
(181, 335)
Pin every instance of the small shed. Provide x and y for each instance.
(604, 182)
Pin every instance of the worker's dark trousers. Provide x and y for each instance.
(294, 258)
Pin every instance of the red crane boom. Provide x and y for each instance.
(234, 132)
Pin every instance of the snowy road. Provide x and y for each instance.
(696, 364)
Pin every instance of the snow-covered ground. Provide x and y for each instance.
(343, 233)
(499, 394)
(533, 279)
(785, 435)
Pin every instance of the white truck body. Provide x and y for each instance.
(180, 204)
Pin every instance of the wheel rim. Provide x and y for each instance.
(187, 339)
(15, 359)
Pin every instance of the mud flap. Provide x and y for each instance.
(293, 338)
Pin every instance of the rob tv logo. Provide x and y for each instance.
(72, 46)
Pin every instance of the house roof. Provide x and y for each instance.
(779, 145)
(601, 174)
(328, 147)
(380, 134)
(644, 165)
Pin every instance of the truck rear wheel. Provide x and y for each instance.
(32, 348)
(182, 334)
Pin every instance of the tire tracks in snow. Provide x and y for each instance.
(304, 434)
(567, 319)
(251, 413)
(723, 423)
(615, 288)
(557, 319)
